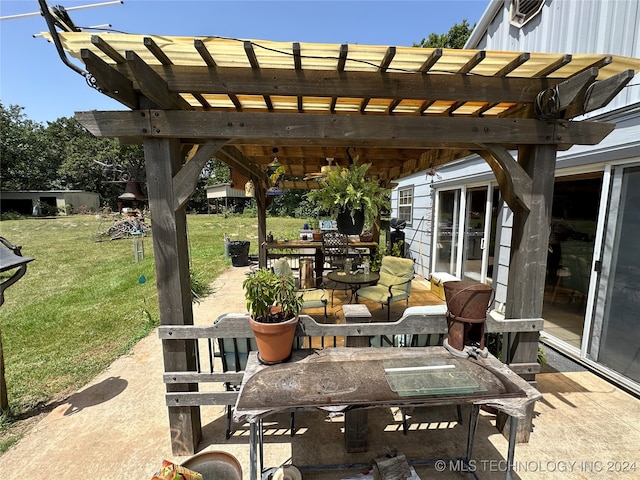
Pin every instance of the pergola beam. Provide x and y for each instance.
(325, 83)
(111, 82)
(236, 160)
(343, 130)
(152, 85)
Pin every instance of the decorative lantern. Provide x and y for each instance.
(250, 189)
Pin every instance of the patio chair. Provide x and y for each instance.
(394, 285)
(335, 249)
(311, 297)
(234, 353)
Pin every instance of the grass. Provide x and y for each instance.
(81, 303)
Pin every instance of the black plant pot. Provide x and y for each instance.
(350, 225)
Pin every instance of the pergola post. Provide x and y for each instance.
(261, 203)
(169, 227)
(527, 267)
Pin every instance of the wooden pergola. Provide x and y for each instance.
(403, 109)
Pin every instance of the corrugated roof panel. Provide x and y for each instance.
(319, 56)
(285, 103)
(316, 103)
(219, 101)
(469, 108)
(252, 102)
(408, 107)
(348, 105)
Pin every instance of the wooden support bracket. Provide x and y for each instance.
(514, 182)
(184, 182)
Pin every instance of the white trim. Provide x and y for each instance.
(603, 210)
(483, 24)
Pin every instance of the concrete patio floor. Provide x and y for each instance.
(117, 426)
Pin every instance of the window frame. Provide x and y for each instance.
(404, 206)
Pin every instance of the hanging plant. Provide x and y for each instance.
(351, 190)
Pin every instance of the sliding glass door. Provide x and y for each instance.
(615, 331)
(446, 231)
(466, 231)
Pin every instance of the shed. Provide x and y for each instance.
(65, 201)
(225, 194)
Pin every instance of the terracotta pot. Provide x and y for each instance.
(317, 235)
(275, 340)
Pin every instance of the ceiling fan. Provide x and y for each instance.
(324, 171)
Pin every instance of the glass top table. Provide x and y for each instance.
(354, 280)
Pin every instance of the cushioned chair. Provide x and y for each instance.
(311, 297)
(394, 285)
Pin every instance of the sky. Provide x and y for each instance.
(33, 76)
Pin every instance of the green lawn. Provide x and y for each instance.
(81, 303)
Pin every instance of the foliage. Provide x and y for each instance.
(350, 189)
(199, 286)
(396, 251)
(456, 37)
(265, 289)
(216, 172)
(64, 155)
(293, 203)
(26, 162)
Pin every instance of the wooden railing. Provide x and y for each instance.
(419, 326)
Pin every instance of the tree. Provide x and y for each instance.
(455, 38)
(216, 171)
(26, 160)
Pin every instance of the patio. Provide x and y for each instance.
(583, 428)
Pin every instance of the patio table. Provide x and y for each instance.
(353, 280)
(338, 379)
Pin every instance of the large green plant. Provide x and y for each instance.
(265, 289)
(349, 188)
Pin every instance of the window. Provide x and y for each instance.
(405, 204)
(521, 11)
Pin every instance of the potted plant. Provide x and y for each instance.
(351, 198)
(274, 305)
